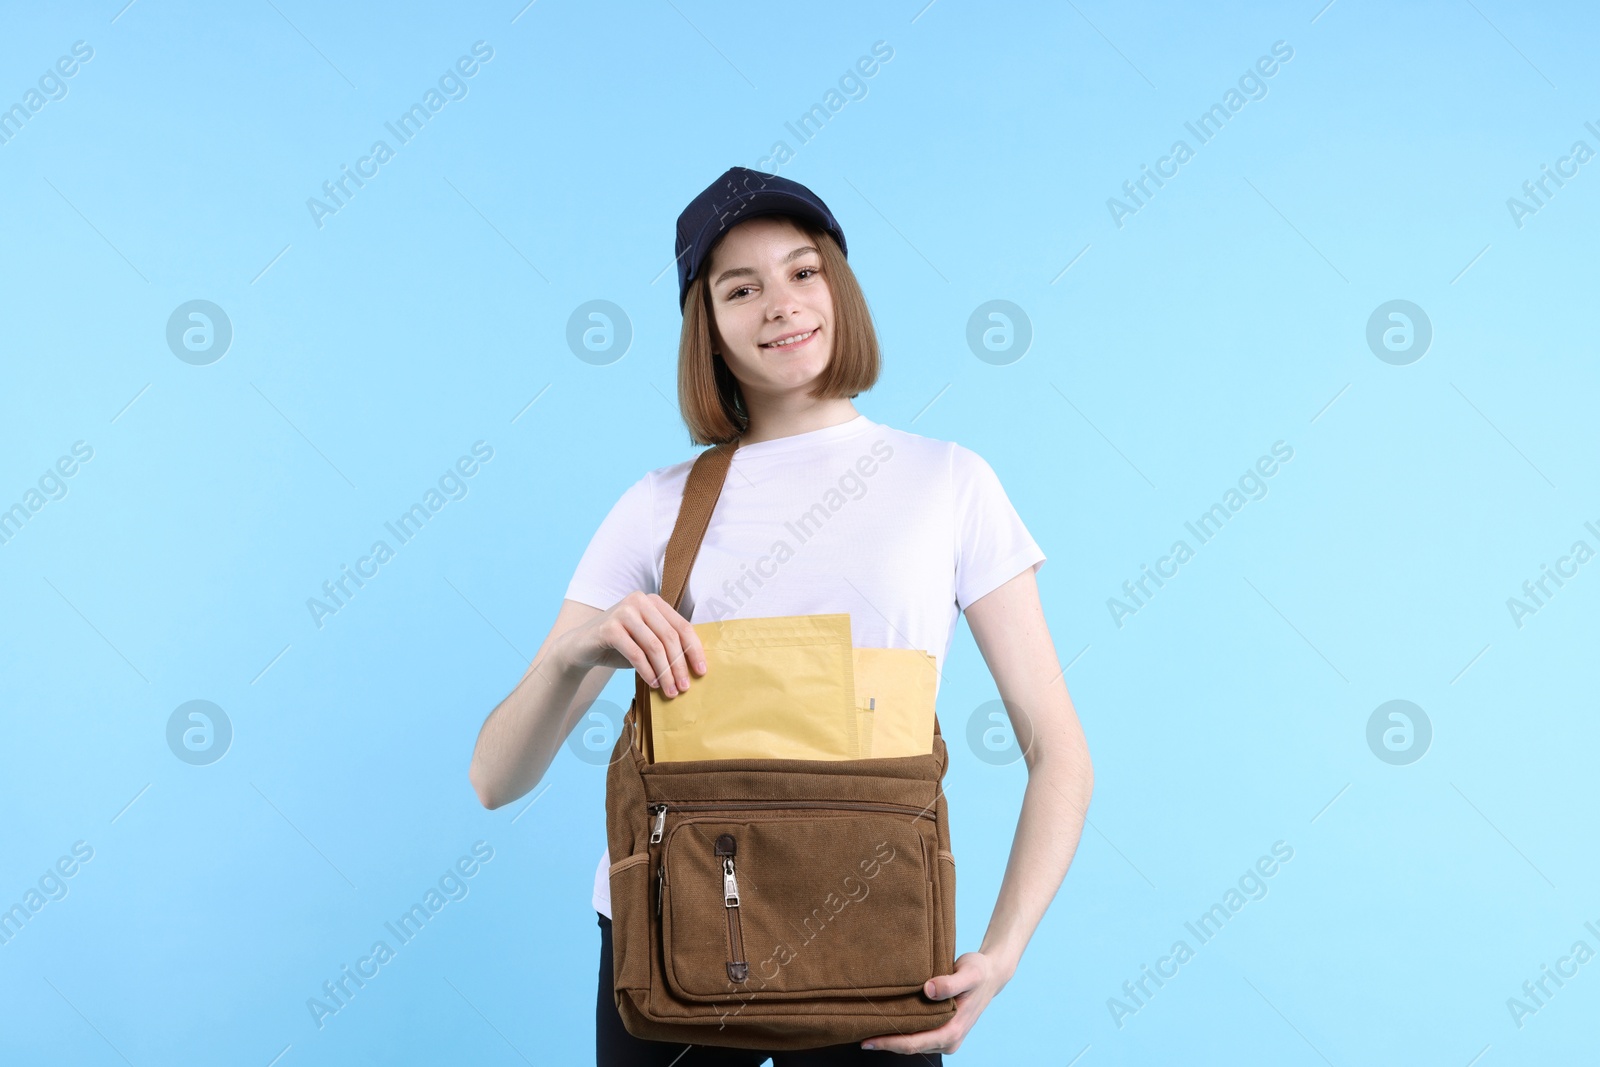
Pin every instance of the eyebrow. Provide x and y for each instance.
(736, 272)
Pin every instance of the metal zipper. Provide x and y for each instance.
(660, 810)
(738, 969)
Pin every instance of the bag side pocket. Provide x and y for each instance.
(631, 901)
(947, 909)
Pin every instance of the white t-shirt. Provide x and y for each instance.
(901, 531)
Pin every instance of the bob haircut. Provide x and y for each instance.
(709, 395)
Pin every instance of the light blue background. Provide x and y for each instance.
(1227, 314)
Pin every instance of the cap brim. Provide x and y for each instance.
(751, 205)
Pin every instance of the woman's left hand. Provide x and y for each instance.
(976, 980)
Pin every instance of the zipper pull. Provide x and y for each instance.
(660, 824)
(725, 847)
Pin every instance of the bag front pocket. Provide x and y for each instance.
(795, 902)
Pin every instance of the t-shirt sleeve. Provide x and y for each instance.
(992, 544)
(619, 557)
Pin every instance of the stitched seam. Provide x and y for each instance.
(632, 861)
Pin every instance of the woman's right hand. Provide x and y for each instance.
(644, 632)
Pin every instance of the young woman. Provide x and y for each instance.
(823, 511)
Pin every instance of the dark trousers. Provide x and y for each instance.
(615, 1047)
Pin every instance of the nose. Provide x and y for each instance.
(781, 302)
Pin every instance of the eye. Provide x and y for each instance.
(806, 270)
(735, 294)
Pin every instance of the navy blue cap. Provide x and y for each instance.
(741, 194)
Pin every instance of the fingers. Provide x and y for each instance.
(680, 641)
(652, 637)
(969, 975)
(971, 985)
(654, 656)
(678, 638)
(946, 1038)
(694, 652)
(946, 986)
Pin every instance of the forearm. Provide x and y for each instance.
(1048, 830)
(521, 737)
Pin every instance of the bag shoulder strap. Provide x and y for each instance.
(700, 494)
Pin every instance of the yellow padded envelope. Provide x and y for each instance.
(894, 702)
(793, 687)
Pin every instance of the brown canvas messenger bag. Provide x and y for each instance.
(773, 903)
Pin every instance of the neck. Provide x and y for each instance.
(768, 423)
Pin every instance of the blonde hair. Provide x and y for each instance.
(709, 395)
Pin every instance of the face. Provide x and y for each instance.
(767, 286)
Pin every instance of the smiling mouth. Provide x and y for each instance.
(792, 341)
